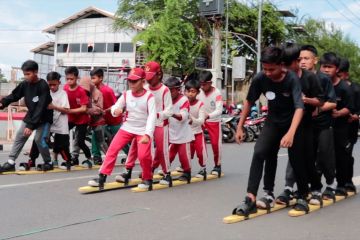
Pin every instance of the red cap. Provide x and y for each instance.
(136, 74)
(151, 68)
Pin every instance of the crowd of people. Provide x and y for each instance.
(313, 113)
(151, 113)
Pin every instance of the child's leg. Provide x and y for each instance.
(98, 131)
(19, 143)
(132, 155)
(200, 148)
(95, 148)
(161, 137)
(184, 156)
(214, 130)
(173, 150)
(120, 140)
(41, 137)
(34, 151)
(82, 130)
(145, 158)
(62, 141)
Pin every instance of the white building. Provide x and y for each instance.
(87, 40)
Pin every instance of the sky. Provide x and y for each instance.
(21, 21)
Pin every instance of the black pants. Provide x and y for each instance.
(61, 146)
(353, 137)
(81, 131)
(342, 153)
(309, 158)
(325, 153)
(34, 151)
(266, 148)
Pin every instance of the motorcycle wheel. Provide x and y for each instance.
(231, 136)
(250, 135)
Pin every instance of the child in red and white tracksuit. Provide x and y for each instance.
(212, 99)
(197, 119)
(164, 110)
(180, 134)
(139, 124)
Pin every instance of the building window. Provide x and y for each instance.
(127, 47)
(62, 48)
(74, 47)
(113, 47)
(87, 47)
(100, 47)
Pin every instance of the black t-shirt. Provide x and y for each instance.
(283, 97)
(324, 119)
(310, 87)
(355, 87)
(344, 99)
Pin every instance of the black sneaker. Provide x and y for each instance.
(97, 160)
(216, 171)
(87, 164)
(350, 187)
(202, 174)
(146, 185)
(98, 182)
(75, 161)
(124, 177)
(26, 166)
(66, 165)
(7, 167)
(45, 167)
(166, 180)
(329, 194)
(186, 176)
(341, 191)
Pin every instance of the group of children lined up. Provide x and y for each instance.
(56, 111)
(152, 112)
(315, 114)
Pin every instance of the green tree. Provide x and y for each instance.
(2, 77)
(332, 39)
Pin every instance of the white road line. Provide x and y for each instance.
(50, 181)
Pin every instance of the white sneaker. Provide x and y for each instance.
(179, 169)
(93, 183)
(315, 198)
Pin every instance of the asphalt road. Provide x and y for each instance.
(48, 206)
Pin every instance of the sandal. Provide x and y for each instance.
(285, 197)
(245, 208)
(329, 194)
(301, 205)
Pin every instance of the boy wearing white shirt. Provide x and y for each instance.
(212, 99)
(139, 124)
(197, 119)
(180, 134)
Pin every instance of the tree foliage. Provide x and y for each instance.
(329, 38)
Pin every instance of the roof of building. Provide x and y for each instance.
(82, 14)
(45, 49)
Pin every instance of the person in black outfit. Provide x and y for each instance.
(322, 122)
(353, 119)
(283, 90)
(313, 97)
(329, 64)
(37, 97)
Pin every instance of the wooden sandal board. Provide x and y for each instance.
(116, 185)
(313, 208)
(260, 212)
(59, 170)
(176, 183)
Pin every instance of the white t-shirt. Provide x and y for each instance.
(140, 114)
(197, 115)
(163, 104)
(60, 120)
(180, 131)
(213, 104)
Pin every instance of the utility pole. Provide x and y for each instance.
(258, 66)
(216, 60)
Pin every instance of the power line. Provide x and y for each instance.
(349, 19)
(349, 10)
